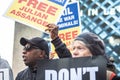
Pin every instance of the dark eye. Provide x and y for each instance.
(80, 48)
(27, 48)
(73, 48)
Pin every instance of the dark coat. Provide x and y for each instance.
(26, 74)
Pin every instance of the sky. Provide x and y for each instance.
(6, 32)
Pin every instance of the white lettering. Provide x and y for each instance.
(110, 11)
(76, 75)
(66, 24)
(63, 74)
(73, 73)
(50, 75)
(67, 12)
(69, 18)
(92, 71)
(92, 12)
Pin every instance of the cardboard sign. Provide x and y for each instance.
(36, 13)
(4, 74)
(87, 68)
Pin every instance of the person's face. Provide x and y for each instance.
(79, 49)
(31, 54)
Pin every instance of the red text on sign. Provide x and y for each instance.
(68, 35)
(41, 6)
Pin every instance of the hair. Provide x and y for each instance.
(93, 43)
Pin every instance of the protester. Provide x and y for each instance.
(111, 66)
(85, 44)
(34, 49)
(111, 69)
(5, 65)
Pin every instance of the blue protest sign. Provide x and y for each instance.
(70, 17)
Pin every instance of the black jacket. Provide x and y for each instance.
(116, 78)
(27, 74)
(61, 48)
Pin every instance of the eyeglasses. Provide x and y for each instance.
(30, 47)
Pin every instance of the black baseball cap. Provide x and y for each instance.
(36, 41)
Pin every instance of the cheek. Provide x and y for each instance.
(84, 52)
(30, 56)
(33, 56)
(87, 53)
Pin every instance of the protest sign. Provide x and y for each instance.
(85, 68)
(36, 13)
(69, 24)
(4, 74)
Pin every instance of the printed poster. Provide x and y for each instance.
(69, 25)
(84, 68)
(36, 13)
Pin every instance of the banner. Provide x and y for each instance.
(4, 74)
(36, 13)
(85, 68)
(69, 24)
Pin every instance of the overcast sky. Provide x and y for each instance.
(6, 32)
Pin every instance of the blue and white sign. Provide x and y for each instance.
(60, 2)
(70, 17)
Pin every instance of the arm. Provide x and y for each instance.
(60, 47)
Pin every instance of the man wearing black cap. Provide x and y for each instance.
(34, 49)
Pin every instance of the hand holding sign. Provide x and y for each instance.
(53, 30)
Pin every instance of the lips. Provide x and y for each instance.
(24, 58)
(75, 54)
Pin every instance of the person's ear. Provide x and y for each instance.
(43, 54)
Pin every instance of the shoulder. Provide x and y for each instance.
(110, 75)
(4, 63)
(22, 73)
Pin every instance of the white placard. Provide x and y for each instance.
(4, 74)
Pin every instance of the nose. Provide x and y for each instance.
(24, 52)
(75, 52)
